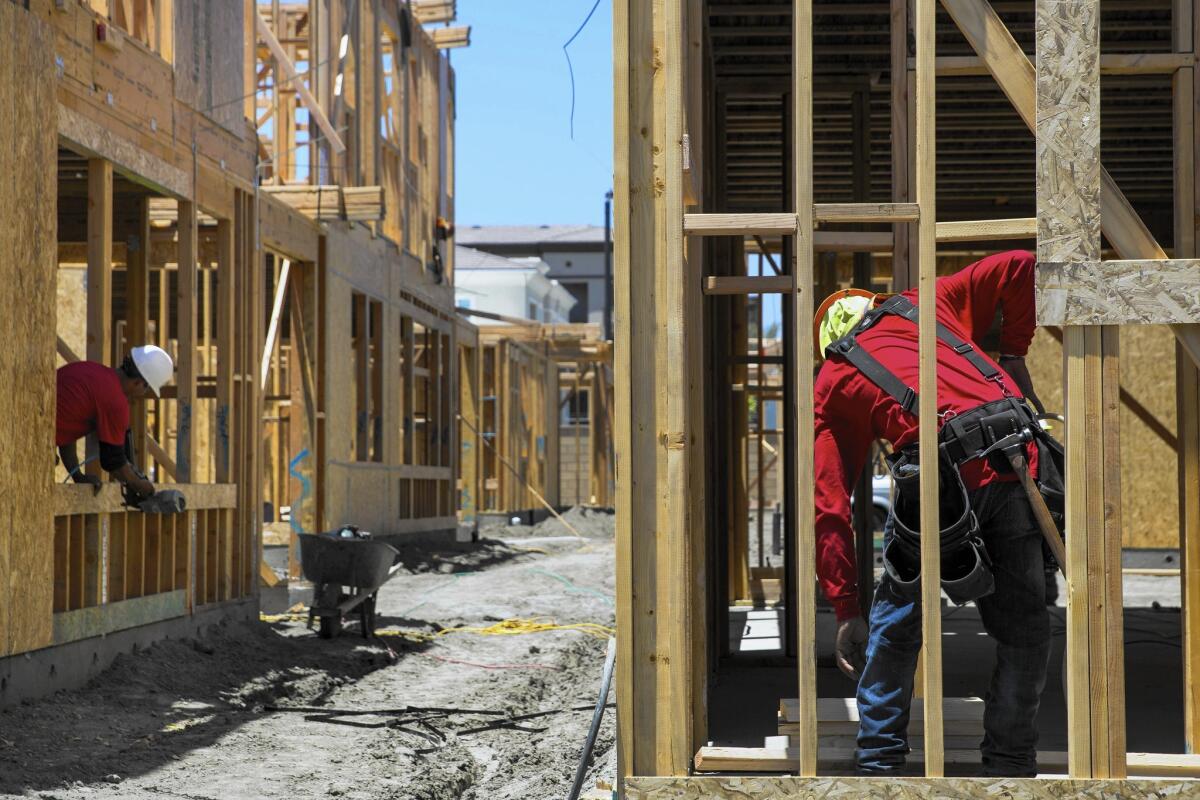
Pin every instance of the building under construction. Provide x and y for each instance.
(768, 153)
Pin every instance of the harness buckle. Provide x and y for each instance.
(965, 347)
(998, 379)
(910, 400)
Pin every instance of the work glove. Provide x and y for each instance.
(851, 647)
(92, 480)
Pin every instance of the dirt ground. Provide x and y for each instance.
(269, 710)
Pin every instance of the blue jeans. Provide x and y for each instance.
(1014, 615)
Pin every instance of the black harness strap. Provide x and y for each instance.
(849, 348)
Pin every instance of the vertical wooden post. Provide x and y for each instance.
(802, 354)
(137, 293)
(925, 134)
(186, 371)
(738, 421)
(99, 269)
(655, 435)
(901, 264)
(226, 300)
(1069, 202)
(362, 323)
(1187, 377)
(375, 434)
(99, 229)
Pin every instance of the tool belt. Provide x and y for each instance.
(966, 568)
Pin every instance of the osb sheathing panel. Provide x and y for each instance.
(1118, 292)
(28, 165)
(72, 307)
(1068, 131)
(790, 788)
(122, 105)
(1149, 482)
(208, 59)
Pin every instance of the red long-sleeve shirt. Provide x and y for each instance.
(852, 412)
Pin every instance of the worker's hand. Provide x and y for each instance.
(143, 487)
(1017, 368)
(851, 647)
(92, 480)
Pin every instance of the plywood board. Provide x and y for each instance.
(28, 169)
(786, 788)
(1068, 130)
(1118, 292)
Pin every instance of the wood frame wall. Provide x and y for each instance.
(662, 669)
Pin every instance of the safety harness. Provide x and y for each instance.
(966, 566)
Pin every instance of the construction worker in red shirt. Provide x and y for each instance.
(94, 399)
(992, 547)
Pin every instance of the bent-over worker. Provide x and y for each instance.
(990, 542)
(94, 398)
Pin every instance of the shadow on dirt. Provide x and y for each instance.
(180, 695)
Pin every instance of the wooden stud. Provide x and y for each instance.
(987, 230)
(866, 212)
(186, 368)
(925, 135)
(100, 228)
(62, 566)
(92, 526)
(118, 533)
(226, 301)
(137, 294)
(802, 367)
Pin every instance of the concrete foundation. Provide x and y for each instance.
(29, 676)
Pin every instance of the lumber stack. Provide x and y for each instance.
(434, 11)
(332, 203)
(449, 38)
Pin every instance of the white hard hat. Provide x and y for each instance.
(154, 365)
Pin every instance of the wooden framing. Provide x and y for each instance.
(161, 221)
(744, 90)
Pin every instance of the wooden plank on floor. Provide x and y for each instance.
(734, 787)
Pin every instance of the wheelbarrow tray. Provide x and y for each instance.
(357, 563)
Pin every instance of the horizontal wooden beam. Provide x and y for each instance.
(866, 212)
(76, 498)
(853, 241)
(86, 623)
(751, 225)
(1110, 64)
(1154, 292)
(777, 759)
(748, 284)
(987, 230)
(739, 224)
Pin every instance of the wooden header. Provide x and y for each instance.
(74, 498)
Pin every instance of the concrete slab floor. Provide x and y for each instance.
(745, 693)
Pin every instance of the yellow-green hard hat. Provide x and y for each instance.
(840, 318)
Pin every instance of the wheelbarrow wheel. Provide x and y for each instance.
(330, 626)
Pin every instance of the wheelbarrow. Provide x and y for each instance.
(346, 573)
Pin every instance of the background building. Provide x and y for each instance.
(574, 253)
(514, 287)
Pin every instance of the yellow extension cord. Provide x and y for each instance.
(507, 627)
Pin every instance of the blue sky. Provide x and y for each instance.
(515, 161)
